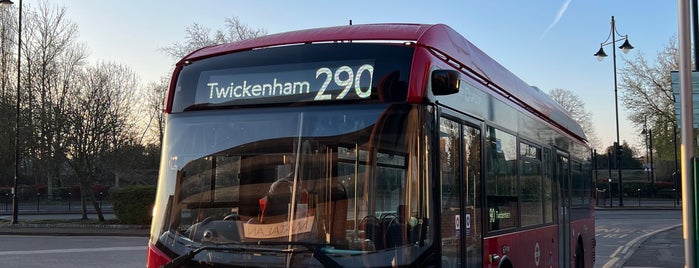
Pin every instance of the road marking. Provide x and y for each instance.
(627, 250)
(71, 250)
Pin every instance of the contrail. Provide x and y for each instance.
(559, 15)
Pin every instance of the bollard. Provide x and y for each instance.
(639, 197)
(674, 192)
(610, 187)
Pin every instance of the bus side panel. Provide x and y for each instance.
(528, 248)
(584, 229)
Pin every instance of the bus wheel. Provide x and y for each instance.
(579, 256)
(505, 264)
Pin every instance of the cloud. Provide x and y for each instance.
(558, 17)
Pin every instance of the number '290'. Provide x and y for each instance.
(345, 77)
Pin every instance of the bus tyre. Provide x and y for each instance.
(579, 256)
(505, 263)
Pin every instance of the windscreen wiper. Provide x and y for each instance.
(314, 248)
(189, 256)
(184, 258)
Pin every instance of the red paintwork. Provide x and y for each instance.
(522, 244)
(395, 32)
(436, 37)
(156, 258)
(521, 247)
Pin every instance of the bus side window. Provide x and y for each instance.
(501, 180)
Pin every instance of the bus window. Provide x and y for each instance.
(501, 180)
(460, 174)
(581, 187)
(450, 167)
(354, 188)
(471, 138)
(530, 195)
(549, 187)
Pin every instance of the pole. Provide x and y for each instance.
(609, 168)
(687, 149)
(616, 112)
(15, 192)
(594, 159)
(677, 168)
(645, 139)
(652, 173)
(695, 24)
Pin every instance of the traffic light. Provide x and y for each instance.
(618, 150)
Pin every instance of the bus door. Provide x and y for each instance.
(562, 176)
(460, 176)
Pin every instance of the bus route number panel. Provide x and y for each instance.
(305, 82)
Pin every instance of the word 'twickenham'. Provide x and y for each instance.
(246, 90)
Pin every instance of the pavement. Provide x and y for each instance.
(663, 248)
(51, 221)
(74, 229)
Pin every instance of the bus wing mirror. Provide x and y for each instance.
(445, 82)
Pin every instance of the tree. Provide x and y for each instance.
(154, 105)
(198, 36)
(72, 115)
(576, 107)
(50, 56)
(53, 57)
(100, 122)
(8, 61)
(626, 160)
(8, 43)
(647, 94)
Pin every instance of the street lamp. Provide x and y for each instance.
(15, 199)
(625, 47)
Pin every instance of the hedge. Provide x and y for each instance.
(133, 204)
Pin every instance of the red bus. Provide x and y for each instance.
(385, 145)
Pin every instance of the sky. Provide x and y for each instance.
(547, 43)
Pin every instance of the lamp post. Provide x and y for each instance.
(609, 186)
(600, 56)
(15, 199)
(649, 150)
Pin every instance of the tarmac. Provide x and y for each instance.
(663, 248)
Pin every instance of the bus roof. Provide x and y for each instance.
(438, 37)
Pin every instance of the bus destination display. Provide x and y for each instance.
(314, 82)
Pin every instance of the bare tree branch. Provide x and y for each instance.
(576, 107)
(198, 36)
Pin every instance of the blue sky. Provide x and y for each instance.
(548, 43)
